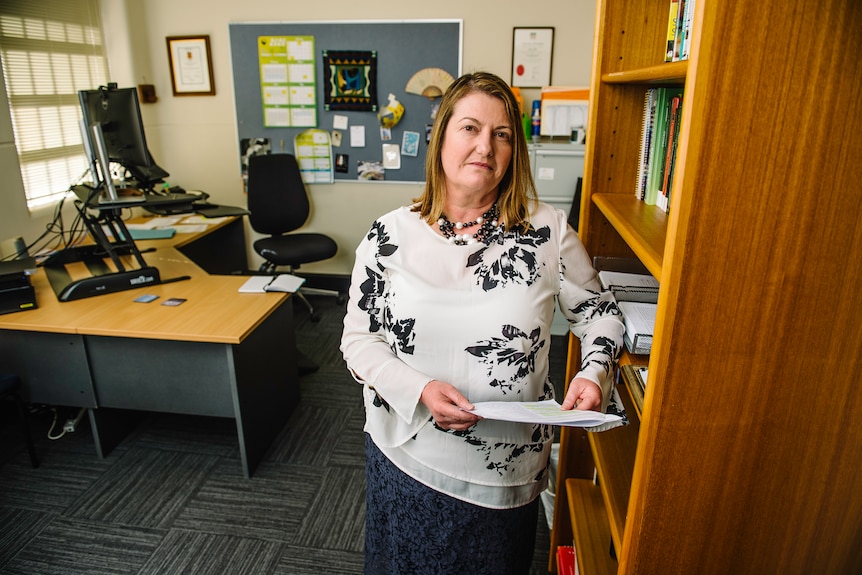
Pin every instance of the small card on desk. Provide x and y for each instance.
(146, 298)
(282, 282)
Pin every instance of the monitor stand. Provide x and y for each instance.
(103, 279)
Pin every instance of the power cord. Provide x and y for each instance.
(53, 425)
(69, 427)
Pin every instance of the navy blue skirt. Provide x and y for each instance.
(411, 529)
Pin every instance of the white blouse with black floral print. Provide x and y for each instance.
(478, 317)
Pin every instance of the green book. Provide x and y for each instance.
(658, 147)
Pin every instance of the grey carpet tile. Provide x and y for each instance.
(330, 387)
(73, 547)
(349, 450)
(19, 527)
(336, 518)
(308, 435)
(61, 478)
(306, 561)
(145, 488)
(195, 434)
(322, 348)
(271, 505)
(191, 553)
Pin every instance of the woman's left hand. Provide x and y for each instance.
(583, 394)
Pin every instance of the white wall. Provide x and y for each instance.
(195, 138)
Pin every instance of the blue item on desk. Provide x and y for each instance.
(156, 234)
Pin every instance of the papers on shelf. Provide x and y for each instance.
(630, 286)
(547, 412)
(282, 282)
(639, 319)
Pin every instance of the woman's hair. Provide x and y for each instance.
(517, 190)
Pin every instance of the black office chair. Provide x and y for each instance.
(9, 386)
(278, 203)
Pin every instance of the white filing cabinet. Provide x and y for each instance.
(556, 169)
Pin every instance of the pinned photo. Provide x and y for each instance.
(369, 170)
(410, 144)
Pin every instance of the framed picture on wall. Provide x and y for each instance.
(191, 65)
(532, 57)
(350, 80)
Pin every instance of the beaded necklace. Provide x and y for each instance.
(487, 222)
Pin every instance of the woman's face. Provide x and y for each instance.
(477, 145)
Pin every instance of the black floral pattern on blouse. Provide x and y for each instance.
(372, 288)
(400, 332)
(384, 247)
(593, 308)
(502, 457)
(517, 264)
(372, 301)
(507, 364)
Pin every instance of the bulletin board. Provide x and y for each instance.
(402, 48)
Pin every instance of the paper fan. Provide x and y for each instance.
(429, 82)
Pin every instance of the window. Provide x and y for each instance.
(50, 49)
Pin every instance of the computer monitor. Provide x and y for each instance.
(118, 113)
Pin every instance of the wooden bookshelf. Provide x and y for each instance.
(642, 227)
(743, 457)
(614, 456)
(592, 531)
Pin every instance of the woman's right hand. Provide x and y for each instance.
(447, 406)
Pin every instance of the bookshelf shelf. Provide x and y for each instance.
(614, 456)
(632, 387)
(643, 227)
(592, 532)
(724, 473)
(668, 73)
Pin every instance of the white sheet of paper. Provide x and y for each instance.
(357, 136)
(546, 412)
(190, 228)
(199, 219)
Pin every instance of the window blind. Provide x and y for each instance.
(49, 50)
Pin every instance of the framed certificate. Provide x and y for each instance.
(532, 57)
(191, 65)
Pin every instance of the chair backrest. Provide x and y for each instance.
(277, 198)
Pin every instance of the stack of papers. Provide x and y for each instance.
(639, 319)
(547, 412)
(629, 286)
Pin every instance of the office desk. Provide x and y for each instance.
(221, 353)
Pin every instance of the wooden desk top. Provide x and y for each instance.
(214, 310)
(180, 239)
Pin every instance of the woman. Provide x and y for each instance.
(451, 302)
